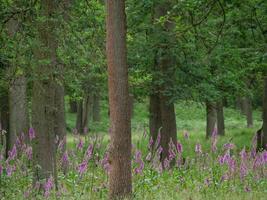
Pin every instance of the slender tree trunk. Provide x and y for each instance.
(264, 138)
(44, 92)
(155, 122)
(4, 120)
(220, 118)
(96, 108)
(87, 110)
(120, 178)
(211, 118)
(79, 118)
(73, 106)
(248, 111)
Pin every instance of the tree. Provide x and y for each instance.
(44, 93)
(120, 181)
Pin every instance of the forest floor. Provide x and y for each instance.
(204, 175)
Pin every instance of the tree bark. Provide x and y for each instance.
(96, 108)
(87, 110)
(4, 120)
(120, 178)
(211, 118)
(79, 118)
(155, 122)
(248, 111)
(73, 106)
(18, 108)
(165, 65)
(264, 128)
(220, 118)
(44, 92)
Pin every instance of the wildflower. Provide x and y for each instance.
(65, 158)
(198, 149)
(159, 151)
(82, 167)
(48, 186)
(62, 144)
(150, 144)
(254, 146)
(139, 161)
(224, 177)
(105, 163)
(228, 146)
(166, 163)
(31, 134)
(80, 144)
(10, 169)
(89, 152)
(243, 154)
(149, 156)
(264, 156)
(243, 170)
(158, 139)
(13, 153)
(179, 147)
(28, 152)
(247, 189)
(186, 135)
(18, 143)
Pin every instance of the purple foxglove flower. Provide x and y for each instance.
(207, 182)
(48, 187)
(158, 139)
(138, 155)
(254, 146)
(243, 154)
(80, 144)
(61, 144)
(247, 189)
(13, 153)
(31, 134)
(186, 135)
(166, 163)
(224, 177)
(198, 149)
(221, 160)
(171, 154)
(28, 152)
(231, 164)
(150, 144)
(89, 152)
(243, 170)
(65, 158)
(105, 162)
(18, 143)
(264, 156)
(228, 146)
(149, 156)
(159, 151)
(82, 167)
(179, 147)
(10, 169)
(1, 156)
(139, 161)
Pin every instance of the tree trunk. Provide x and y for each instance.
(18, 109)
(60, 121)
(165, 65)
(87, 110)
(44, 92)
(264, 137)
(220, 118)
(96, 108)
(79, 118)
(73, 106)
(155, 122)
(211, 118)
(120, 178)
(247, 104)
(4, 120)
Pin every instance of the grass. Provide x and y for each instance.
(199, 178)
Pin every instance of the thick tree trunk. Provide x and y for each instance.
(79, 118)
(18, 108)
(120, 178)
(96, 108)
(73, 106)
(44, 92)
(211, 118)
(220, 118)
(155, 122)
(165, 65)
(264, 137)
(169, 130)
(60, 121)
